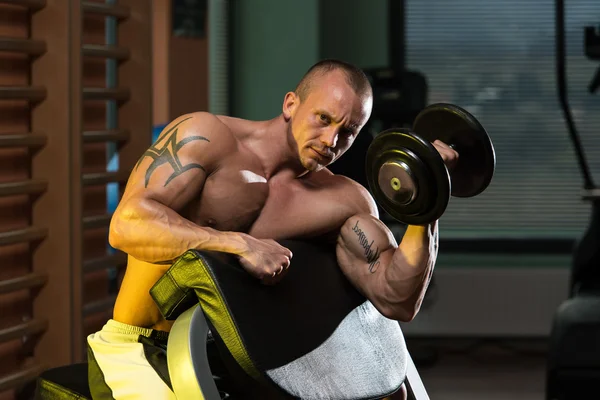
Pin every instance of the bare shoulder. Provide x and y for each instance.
(198, 135)
(352, 193)
(205, 124)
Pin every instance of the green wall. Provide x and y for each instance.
(355, 31)
(274, 43)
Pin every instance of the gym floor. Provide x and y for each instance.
(490, 370)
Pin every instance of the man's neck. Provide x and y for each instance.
(276, 151)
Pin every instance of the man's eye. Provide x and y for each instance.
(324, 118)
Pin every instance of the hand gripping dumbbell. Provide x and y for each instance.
(407, 175)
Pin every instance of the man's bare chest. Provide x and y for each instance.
(244, 201)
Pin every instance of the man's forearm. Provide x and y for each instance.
(409, 271)
(156, 234)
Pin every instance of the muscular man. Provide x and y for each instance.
(224, 184)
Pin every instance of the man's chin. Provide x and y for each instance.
(312, 165)
(319, 167)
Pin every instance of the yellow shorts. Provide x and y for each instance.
(128, 362)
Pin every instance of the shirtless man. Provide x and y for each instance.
(224, 184)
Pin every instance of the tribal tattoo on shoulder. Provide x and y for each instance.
(165, 150)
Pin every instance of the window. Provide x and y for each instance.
(496, 59)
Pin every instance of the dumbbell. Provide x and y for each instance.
(407, 175)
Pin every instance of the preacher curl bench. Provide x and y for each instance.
(311, 336)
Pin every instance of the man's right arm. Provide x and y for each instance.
(172, 172)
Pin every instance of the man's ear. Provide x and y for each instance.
(290, 103)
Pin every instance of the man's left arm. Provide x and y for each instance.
(393, 277)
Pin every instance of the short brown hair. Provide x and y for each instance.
(355, 77)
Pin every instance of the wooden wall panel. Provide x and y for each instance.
(15, 210)
(93, 29)
(180, 69)
(14, 21)
(95, 239)
(54, 273)
(134, 118)
(188, 72)
(161, 28)
(59, 162)
(136, 115)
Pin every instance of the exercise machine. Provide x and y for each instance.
(573, 367)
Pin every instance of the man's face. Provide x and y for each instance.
(326, 123)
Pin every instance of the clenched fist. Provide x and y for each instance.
(449, 155)
(265, 259)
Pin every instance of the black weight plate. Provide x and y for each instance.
(430, 174)
(383, 149)
(455, 126)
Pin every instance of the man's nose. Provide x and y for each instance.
(330, 137)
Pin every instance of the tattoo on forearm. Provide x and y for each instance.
(165, 151)
(371, 255)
